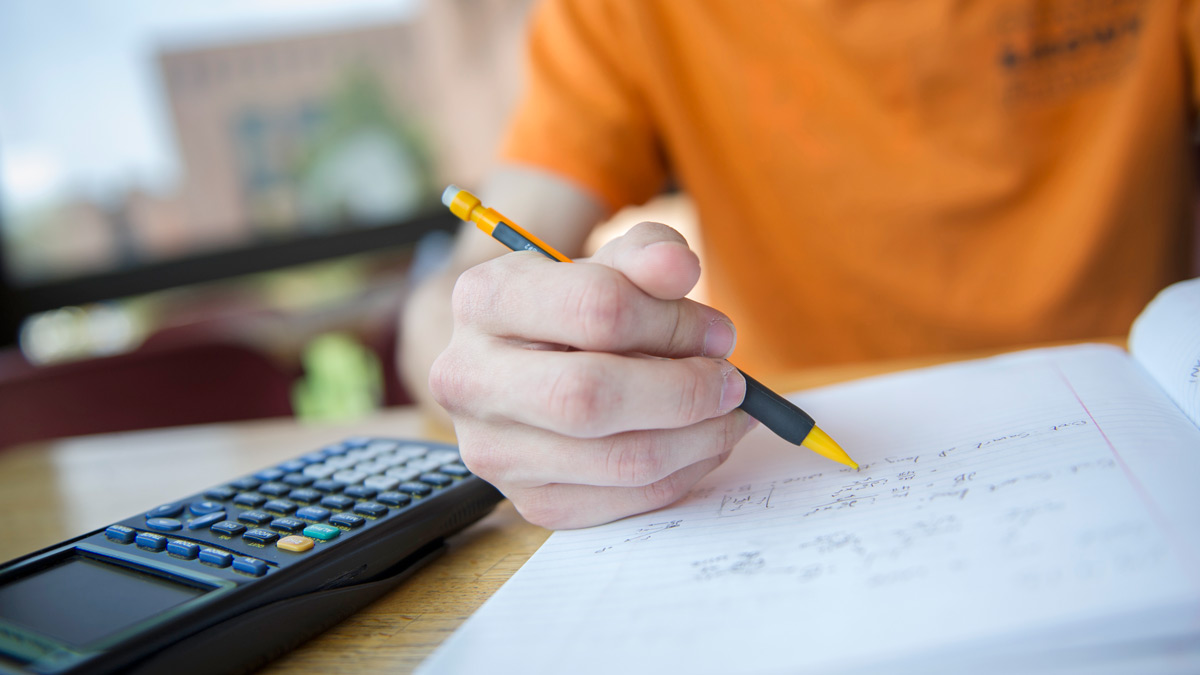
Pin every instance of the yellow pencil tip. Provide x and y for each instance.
(819, 442)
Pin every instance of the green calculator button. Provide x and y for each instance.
(322, 532)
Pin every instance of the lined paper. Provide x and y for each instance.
(1038, 510)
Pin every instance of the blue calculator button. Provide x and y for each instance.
(247, 483)
(360, 491)
(292, 466)
(456, 470)
(313, 513)
(372, 509)
(289, 525)
(394, 498)
(221, 493)
(151, 541)
(255, 517)
(260, 536)
(251, 566)
(298, 480)
(166, 511)
(201, 508)
(120, 534)
(414, 488)
(250, 500)
(348, 520)
(205, 520)
(335, 450)
(275, 489)
(163, 524)
(438, 479)
(356, 442)
(304, 495)
(337, 502)
(314, 457)
(183, 549)
(228, 528)
(214, 557)
(280, 506)
(269, 474)
(328, 485)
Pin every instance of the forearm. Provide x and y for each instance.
(426, 325)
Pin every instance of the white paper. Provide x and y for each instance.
(1038, 509)
(1165, 339)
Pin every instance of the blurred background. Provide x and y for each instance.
(211, 209)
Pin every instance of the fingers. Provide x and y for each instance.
(590, 391)
(521, 457)
(588, 306)
(583, 394)
(566, 506)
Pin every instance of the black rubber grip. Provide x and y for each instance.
(775, 412)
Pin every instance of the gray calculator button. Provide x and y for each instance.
(402, 473)
(349, 477)
(320, 471)
(381, 482)
(412, 451)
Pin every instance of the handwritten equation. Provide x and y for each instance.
(907, 516)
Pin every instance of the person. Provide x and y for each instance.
(872, 179)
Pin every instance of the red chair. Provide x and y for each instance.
(163, 384)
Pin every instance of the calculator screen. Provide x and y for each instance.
(79, 601)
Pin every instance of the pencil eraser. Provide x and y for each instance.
(450, 193)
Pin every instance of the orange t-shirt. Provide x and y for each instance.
(887, 178)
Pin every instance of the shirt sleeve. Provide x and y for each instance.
(582, 115)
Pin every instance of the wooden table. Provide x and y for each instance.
(51, 491)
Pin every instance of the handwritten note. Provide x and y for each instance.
(1030, 508)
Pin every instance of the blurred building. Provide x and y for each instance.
(353, 125)
(284, 135)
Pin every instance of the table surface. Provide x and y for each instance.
(52, 491)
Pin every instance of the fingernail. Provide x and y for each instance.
(733, 390)
(719, 339)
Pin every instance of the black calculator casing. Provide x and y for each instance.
(159, 611)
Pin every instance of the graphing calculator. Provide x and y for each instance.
(225, 580)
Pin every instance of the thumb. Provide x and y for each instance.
(655, 258)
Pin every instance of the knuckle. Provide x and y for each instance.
(538, 508)
(683, 338)
(695, 402)
(576, 397)
(665, 490)
(730, 433)
(634, 460)
(598, 306)
(448, 381)
(486, 461)
(474, 293)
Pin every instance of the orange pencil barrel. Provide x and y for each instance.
(468, 208)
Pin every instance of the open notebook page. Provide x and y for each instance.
(1166, 340)
(1033, 504)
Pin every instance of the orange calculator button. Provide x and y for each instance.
(295, 543)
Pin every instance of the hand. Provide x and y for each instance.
(593, 390)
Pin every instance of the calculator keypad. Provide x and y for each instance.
(294, 507)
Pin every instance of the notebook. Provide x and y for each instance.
(1035, 512)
